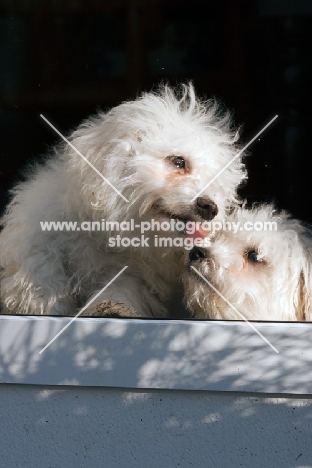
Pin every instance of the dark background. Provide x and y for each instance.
(66, 59)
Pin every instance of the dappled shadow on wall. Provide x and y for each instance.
(156, 354)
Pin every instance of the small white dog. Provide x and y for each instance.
(264, 274)
(158, 151)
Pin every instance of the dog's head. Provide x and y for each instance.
(260, 266)
(166, 152)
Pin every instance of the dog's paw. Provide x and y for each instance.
(107, 308)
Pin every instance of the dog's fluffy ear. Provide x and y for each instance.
(303, 306)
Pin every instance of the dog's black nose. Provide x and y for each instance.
(206, 208)
(197, 253)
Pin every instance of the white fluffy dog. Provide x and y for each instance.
(158, 151)
(265, 275)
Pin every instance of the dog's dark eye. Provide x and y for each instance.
(178, 162)
(253, 256)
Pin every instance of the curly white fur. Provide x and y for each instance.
(56, 272)
(265, 275)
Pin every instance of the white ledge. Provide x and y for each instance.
(157, 354)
